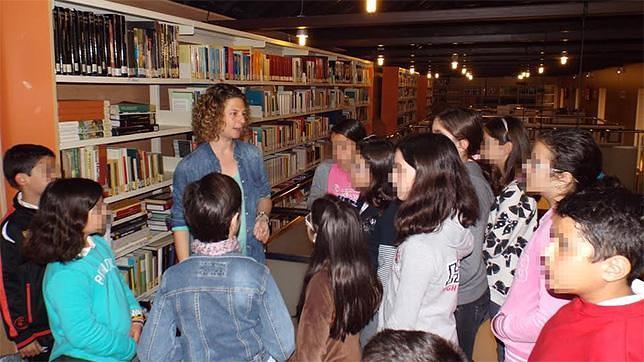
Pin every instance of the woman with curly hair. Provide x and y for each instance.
(218, 121)
(438, 207)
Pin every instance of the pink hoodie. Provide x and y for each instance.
(529, 304)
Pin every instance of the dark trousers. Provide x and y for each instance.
(469, 318)
(500, 347)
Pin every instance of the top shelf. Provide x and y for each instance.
(79, 79)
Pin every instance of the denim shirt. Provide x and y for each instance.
(250, 165)
(227, 308)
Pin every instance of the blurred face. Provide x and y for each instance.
(569, 260)
(44, 172)
(97, 218)
(461, 145)
(403, 176)
(542, 177)
(234, 119)
(360, 172)
(344, 150)
(493, 151)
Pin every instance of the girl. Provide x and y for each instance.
(463, 128)
(218, 121)
(513, 218)
(226, 306)
(93, 315)
(332, 176)
(341, 291)
(562, 161)
(438, 205)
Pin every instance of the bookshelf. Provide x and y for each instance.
(146, 80)
(399, 100)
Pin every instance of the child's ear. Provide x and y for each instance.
(234, 226)
(507, 148)
(21, 179)
(463, 144)
(615, 268)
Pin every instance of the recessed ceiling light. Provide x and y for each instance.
(380, 45)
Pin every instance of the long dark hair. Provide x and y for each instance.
(504, 130)
(56, 231)
(465, 124)
(341, 251)
(379, 155)
(442, 189)
(351, 129)
(574, 151)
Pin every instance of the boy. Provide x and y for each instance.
(404, 346)
(596, 253)
(29, 169)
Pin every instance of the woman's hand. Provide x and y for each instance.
(135, 331)
(261, 230)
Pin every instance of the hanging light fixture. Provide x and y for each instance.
(527, 73)
(436, 75)
(564, 58)
(412, 69)
(429, 74)
(302, 35)
(464, 70)
(381, 60)
(454, 61)
(541, 69)
(372, 5)
(520, 76)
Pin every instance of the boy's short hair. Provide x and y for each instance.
(209, 206)
(411, 346)
(610, 218)
(21, 159)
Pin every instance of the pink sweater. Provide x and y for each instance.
(529, 304)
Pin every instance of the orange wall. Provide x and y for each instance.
(27, 88)
(389, 105)
(421, 98)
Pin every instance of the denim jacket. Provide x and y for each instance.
(252, 173)
(227, 308)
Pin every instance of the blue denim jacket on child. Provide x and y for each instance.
(227, 308)
(252, 173)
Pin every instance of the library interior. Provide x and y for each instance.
(135, 95)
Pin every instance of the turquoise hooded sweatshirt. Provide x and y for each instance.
(90, 306)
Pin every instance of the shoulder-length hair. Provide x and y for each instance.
(442, 188)
(341, 251)
(504, 130)
(379, 156)
(56, 231)
(463, 124)
(208, 111)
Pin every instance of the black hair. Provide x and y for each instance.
(463, 123)
(56, 231)
(610, 218)
(210, 205)
(441, 189)
(21, 159)
(341, 251)
(504, 130)
(351, 129)
(575, 151)
(411, 346)
(379, 155)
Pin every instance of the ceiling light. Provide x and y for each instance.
(381, 60)
(620, 70)
(527, 73)
(541, 69)
(302, 35)
(520, 76)
(371, 6)
(454, 61)
(429, 75)
(437, 75)
(463, 70)
(564, 58)
(412, 70)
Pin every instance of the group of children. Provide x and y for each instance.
(415, 245)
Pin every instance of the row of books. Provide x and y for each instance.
(406, 79)
(143, 268)
(133, 219)
(117, 169)
(158, 208)
(86, 43)
(265, 102)
(356, 95)
(291, 132)
(284, 165)
(406, 92)
(130, 118)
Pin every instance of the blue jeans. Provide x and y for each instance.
(469, 318)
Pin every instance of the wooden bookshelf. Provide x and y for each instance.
(399, 100)
(162, 132)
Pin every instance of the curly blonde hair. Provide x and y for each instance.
(208, 111)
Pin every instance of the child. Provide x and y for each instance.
(563, 161)
(513, 217)
(27, 168)
(463, 127)
(92, 313)
(405, 346)
(341, 291)
(226, 305)
(438, 205)
(596, 253)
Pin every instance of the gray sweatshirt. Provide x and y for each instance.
(473, 278)
(320, 183)
(422, 289)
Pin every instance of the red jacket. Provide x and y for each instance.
(583, 331)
